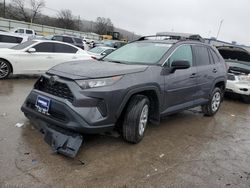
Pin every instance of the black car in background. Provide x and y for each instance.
(76, 41)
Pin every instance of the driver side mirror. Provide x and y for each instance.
(31, 50)
(179, 64)
(103, 53)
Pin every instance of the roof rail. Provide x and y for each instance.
(172, 37)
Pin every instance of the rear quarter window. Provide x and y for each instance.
(10, 39)
(63, 48)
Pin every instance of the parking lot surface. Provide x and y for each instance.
(185, 150)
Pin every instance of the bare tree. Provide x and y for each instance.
(66, 19)
(103, 26)
(36, 7)
(26, 11)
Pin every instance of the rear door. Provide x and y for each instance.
(64, 53)
(207, 71)
(181, 86)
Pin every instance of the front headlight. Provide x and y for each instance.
(243, 78)
(93, 83)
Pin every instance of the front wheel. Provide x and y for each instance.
(136, 119)
(214, 103)
(246, 99)
(5, 69)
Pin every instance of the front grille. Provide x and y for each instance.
(57, 89)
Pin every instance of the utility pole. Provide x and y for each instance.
(221, 22)
(4, 9)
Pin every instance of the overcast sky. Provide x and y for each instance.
(146, 17)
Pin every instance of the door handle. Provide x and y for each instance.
(193, 75)
(74, 57)
(214, 70)
(49, 57)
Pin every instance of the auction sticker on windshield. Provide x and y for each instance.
(42, 104)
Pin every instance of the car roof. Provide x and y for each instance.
(13, 34)
(54, 41)
(104, 47)
(68, 36)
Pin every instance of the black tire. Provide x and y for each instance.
(208, 109)
(246, 99)
(5, 69)
(131, 125)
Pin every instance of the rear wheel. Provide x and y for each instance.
(136, 118)
(214, 103)
(5, 69)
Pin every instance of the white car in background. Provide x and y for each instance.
(8, 40)
(37, 56)
(238, 61)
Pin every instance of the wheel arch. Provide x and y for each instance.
(152, 93)
(220, 83)
(11, 71)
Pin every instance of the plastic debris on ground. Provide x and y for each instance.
(19, 125)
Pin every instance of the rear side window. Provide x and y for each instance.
(58, 38)
(68, 40)
(182, 53)
(79, 41)
(63, 48)
(29, 32)
(215, 56)
(201, 55)
(10, 39)
(44, 47)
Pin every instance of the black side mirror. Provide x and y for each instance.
(180, 64)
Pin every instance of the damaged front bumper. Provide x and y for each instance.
(241, 88)
(62, 141)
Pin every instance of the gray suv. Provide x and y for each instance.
(138, 83)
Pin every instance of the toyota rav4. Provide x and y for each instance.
(139, 83)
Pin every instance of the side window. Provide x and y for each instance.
(63, 48)
(77, 40)
(57, 38)
(10, 39)
(47, 47)
(20, 30)
(201, 55)
(68, 40)
(29, 32)
(215, 56)
(182, 53)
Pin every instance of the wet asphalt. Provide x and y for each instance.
(185, 150)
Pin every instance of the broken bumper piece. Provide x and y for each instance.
(62, 141)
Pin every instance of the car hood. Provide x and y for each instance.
(94, 69)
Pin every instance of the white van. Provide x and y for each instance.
(24, 31)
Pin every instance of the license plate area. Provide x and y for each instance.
(43, 104)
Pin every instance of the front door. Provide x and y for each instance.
(180, 86)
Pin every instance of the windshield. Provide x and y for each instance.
(96, 50)
(139, 53)
(23, 45)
